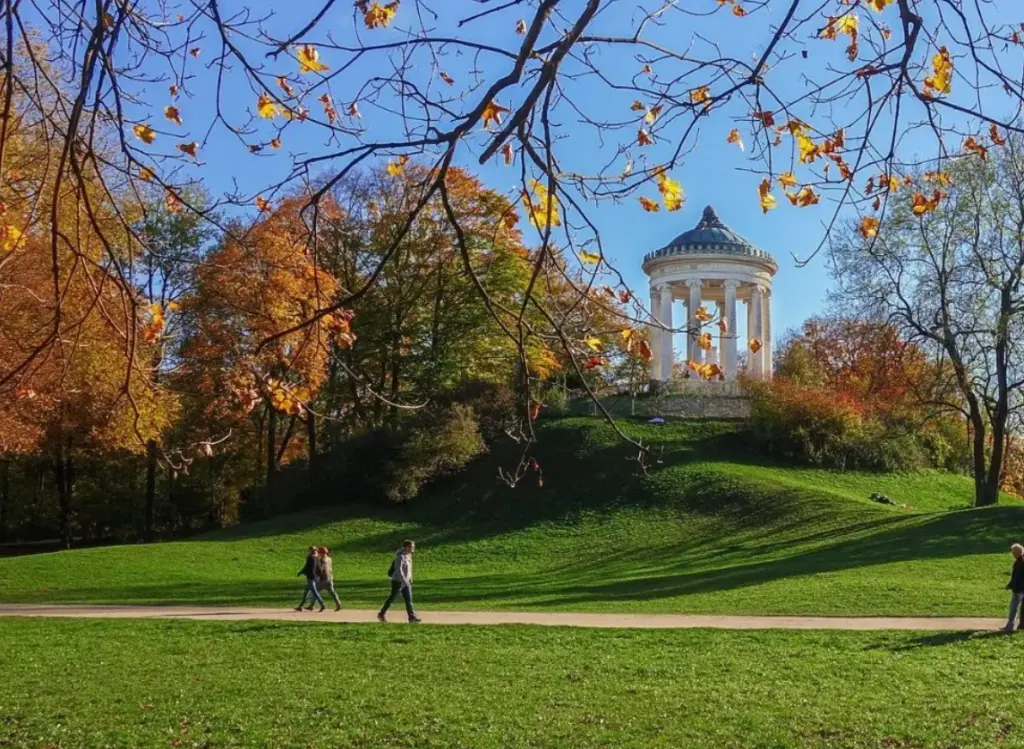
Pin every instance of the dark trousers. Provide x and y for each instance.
(406, 590)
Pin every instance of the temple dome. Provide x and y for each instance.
(710, 237)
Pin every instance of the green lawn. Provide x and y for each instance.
(712, 528)
(121, 683)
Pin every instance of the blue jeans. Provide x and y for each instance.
(328, 585)
(311, 588)
(1015, 601)
(406, 590)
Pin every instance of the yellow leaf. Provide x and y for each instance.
(868, 227)
(700, 94)
(397, 166)
(649, 205)
(589, 257)
(9, 236)
(309, 60)
(146, 174)
(172, 114)
(594, 344)
(767, 199)
(787, 179)
(670, 191)
(940, 178)
(702, 314)
(941, 80)
(266, 108)
(492, 113)
(922, 205)
(734, 137)
(173, 307)
(144, 133)
(808, 149)
(652, 114)
(541, 214)
(704, 341)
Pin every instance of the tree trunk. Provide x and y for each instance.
(271, 457)
(150, 511)
(311, 446)
(5, 495)
(64, 472)
(981, 495)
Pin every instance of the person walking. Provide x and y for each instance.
(312, 571)
(400, 573)
(326, 580)
(1016, 588)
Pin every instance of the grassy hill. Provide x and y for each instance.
(712, 528)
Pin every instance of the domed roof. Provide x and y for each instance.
(710, 237)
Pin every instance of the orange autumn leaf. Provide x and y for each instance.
(263, 204)
(973, 146)
(194, 51)
(651, 206)
(879, 5)
(146, 174)
(309, 60)
(670, 191)
(702, 314)
(643, 138)
(755, 345)
(275, 143)
(765, 118)
(171, 202)
(939, 178)
(652, 114)
(173, 89)
(993, 133)
(704, 341)
(188, 148)
(805, 197)
(521, 27)
(922, 205)
(593, 362)
(447, 78)
(700, 95)
(492, 113)
(734, 137)
(285, 86)
(637, 106)
(787, 179)
(723, 325)
(809, 150)
(376, 15)
(643, 350)
(172, 114)
(144, 133)
(508, 154)
(625, 296)
(868, 227)
(535, 407)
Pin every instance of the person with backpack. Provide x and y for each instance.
(312, 571)
(326, 580)
(1016, 587)
(400, 573)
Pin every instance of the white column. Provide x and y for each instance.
(693, 350)
(757, 310)
(666, 336)
(731, 334)
(654, 334)
(766, 326)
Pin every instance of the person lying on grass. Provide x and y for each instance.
(1016, 587)
(312, 571)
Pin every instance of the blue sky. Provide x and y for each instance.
(712, 173)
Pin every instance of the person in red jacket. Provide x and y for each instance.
(1016, 588)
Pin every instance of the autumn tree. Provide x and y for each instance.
(945, 267)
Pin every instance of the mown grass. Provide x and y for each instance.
(122, 683)
(712, 528)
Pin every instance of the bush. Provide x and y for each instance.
(819, 426)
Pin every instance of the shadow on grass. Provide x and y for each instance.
(936, 640)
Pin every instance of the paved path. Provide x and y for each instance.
(547, 618)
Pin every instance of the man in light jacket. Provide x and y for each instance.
(401, 581)
(326, 581)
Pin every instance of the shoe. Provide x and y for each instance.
(299, 607)
(414, 620)
(309, 607)
(1007, 630)
(381, 618)
(337, 607)
(321, 609)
